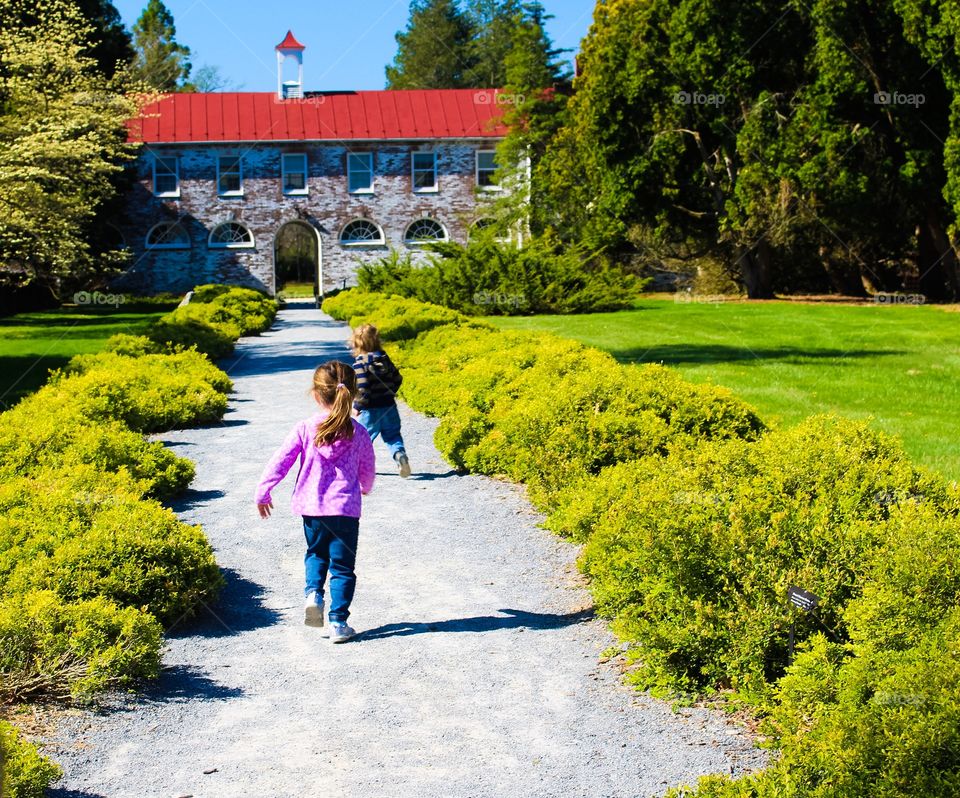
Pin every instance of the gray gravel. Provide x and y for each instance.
(478, 672)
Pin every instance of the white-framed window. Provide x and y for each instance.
(486, 226)
(423, 167)
(423, 231)
(168, 235)
(229, 176)
(293, 168)
(166, 176)
(486, 168)
(360, 172)
(230, 235)
(362, 232)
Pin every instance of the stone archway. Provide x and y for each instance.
(298, 259)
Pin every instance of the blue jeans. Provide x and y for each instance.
(331, 546)
(384, 421)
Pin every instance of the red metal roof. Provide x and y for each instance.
(290, 43)
(321, 116)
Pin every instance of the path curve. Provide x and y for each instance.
(477, 674)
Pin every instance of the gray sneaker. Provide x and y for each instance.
(404, 464)
(340, 632)
(313, 610)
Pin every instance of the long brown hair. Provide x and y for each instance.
(334, 385)
(366, 338)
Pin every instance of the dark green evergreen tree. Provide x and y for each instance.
(434, 52)
(160, 62)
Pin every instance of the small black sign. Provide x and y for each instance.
(803, 599)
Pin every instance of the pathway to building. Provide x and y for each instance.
(478, 674)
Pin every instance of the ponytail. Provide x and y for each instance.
(335, 385)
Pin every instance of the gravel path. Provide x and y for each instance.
(478, 671)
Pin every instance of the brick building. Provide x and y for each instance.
(221, 175)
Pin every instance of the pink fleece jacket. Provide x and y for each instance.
(331, 477)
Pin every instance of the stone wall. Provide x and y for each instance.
(264, 209)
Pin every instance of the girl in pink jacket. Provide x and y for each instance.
(336, 467)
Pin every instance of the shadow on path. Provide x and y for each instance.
(191, 498)
(240, 609)
(278, 357)
(515, 619)
(415, 477)
(53, 793)
(187, 683)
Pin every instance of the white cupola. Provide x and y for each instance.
(287, 49)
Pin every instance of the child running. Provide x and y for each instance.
(378, 381)
(336, 467)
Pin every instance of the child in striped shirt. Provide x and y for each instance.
(378, 381)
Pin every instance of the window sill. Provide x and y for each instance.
(230, 195)
(152, 247)
(366, 192)
(434, 190)
(364, 244)
(231, 246)
(303, 193)
(490, 188)
(167, 194)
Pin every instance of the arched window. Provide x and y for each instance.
(486, 226)
(423, 231)
(362, 232)
(230, 235)
(168, 235)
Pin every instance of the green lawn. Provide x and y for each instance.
(33, 343)
(899, 365)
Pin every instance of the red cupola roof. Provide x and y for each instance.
(290, 43)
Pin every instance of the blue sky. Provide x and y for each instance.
(348, 41)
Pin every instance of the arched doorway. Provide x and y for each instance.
(297, 260)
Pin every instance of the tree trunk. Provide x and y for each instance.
(937, 261)
(755, 271)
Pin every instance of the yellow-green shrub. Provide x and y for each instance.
(149, 393)
(545, 410)
(24, 773)
(216, 316)
(58, 649)
(58, 534)
(880, 715)
(41, 434)
(395, 317)
(694, 558)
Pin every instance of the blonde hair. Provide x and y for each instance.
(366, 338)
(334, 385)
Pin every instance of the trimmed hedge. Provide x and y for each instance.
(696, 520)
(24, 773)
(91, 566)
(397, 319)
(215, 317)
(497, 393)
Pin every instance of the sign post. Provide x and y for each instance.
(807, 602)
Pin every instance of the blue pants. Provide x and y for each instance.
(332, 546)
(384, 421)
